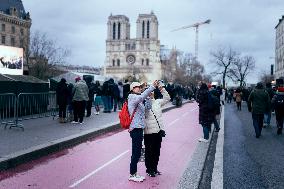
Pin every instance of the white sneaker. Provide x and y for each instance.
(202, 140)
(135, 178)
(97, 113)
(82, 123)
(74, 122)
(143, 178)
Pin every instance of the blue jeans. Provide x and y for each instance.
(257, 123)
(107, 103)
(206, 129)
(267, 118)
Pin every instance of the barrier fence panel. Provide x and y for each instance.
(8, 109)
(14, 109)
(36, 105)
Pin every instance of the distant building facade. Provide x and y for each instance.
(138, 57)
(279, 49)
(15, 24)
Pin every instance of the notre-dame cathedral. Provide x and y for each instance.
(138, 57)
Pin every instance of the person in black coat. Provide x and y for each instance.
(106, 96)
(91, 87)
(206, 112)
(126, 90)
(62, 94)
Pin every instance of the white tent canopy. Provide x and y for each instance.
(70, 77)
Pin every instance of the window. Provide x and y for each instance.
(3, 39)
(12, 41)
(142, 62)
(3, 28)
(133, 46)
(113, 63)
(113, 30)
(147, 62)
(22, 31)
(148, 29)
(21, 43)
(13, 29)
(118, 62)
(118, 32)
(143, 29)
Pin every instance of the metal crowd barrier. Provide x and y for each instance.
(27, 106)
(8, 109)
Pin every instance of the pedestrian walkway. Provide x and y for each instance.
(250, 162)
(44, 132)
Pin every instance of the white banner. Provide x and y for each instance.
(11, 60)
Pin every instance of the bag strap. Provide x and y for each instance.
(156, 118)
(132, 116)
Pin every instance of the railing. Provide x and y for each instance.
(25, 106)
(8, 109)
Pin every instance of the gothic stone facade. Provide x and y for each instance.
(138, 57)
(15, 26)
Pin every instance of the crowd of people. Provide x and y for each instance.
(261, 101)
(75, 101)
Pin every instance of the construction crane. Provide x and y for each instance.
(196, 26)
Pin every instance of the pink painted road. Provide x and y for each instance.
(104, 162)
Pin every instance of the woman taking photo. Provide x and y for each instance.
(152, 131)
(136, 107)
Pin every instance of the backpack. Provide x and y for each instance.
(279, 102)
(213, 104)
(124, 116)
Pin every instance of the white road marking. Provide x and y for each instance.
(193, 109)
(98, 169)
(185, 114)
(174, 121)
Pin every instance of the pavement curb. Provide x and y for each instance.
(217, 175)
(20, 157)
(193, 174)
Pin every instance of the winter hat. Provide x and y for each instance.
(77, 78)
(134, 84)
(63, 80)
(280, 89)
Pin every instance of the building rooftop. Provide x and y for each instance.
(5, 6)
(280, 20)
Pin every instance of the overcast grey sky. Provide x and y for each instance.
(245, 25)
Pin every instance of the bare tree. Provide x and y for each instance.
(188, 70)
(241, 68)
(44, 54)
(222, 60)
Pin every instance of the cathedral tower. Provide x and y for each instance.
(118, 27)
(147, 26)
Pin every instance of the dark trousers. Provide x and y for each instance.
(107, 103)
(89, 107)
(62, 110)
(152, 151)
(216, 124)
(257, 123)
(279, 120)
(115, 103)
(239, 105)
(206, 130)
(137, 138)
(79, 110)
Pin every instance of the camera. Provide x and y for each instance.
(161, 82)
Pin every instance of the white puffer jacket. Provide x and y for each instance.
(151, 125)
